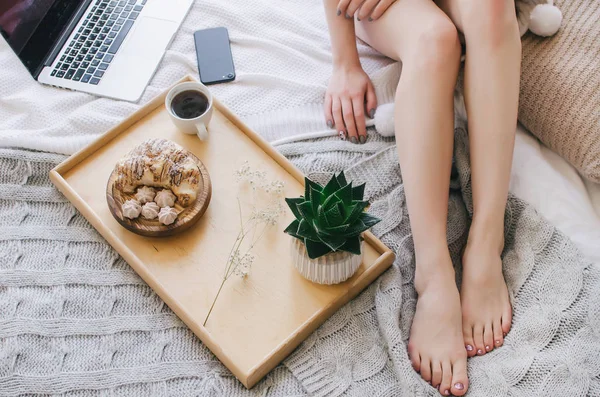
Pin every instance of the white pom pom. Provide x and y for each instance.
(545, 20)
(384, 120)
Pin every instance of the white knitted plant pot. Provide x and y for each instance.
(332, 268)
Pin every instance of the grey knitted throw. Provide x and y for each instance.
(76, 320)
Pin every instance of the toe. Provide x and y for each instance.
(426, 369)
(416, 362)
(488, 337)
(469, 343)
(446, 384)
(460, 382)
(498, 333)
(436, 373)
(506, 319)
(415, 358)
(478, 339)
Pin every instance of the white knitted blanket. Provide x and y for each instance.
(76, 320)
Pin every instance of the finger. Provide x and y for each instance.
(371, 100)
(380, 8)
(359, 118)
(343, 7)
(353, 7)
(327, 110)
(366, 9)
(349, 122)
(338, 120)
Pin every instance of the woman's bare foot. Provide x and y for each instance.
(436, 341)
(486, 309)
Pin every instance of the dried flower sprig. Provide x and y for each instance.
(265, 212)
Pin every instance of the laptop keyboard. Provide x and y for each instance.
(96, 42)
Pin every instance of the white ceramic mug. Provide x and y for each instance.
(197, 125)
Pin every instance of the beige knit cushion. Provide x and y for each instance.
(560, 86)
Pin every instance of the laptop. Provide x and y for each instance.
(109, 48)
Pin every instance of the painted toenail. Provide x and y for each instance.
(469, 348)
(487, 347)
(497, 342)
(479, 351)
(459, 386)
(447, 392)
(505, 334)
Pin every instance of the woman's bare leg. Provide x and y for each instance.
(492, 73)
(424, 38)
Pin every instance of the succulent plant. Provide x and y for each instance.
(330, 218)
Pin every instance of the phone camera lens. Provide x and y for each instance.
(230, 75)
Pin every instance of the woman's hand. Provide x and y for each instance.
(373, 9)
(349, 89)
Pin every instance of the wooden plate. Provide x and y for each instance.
(186, 218)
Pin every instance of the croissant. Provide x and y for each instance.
(160, 163)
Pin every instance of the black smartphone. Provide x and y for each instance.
(215, 62)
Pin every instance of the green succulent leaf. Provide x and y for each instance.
(355, 229)
(369, 220)
(315, 249)
(292, 229)
(306, 230)
(306, 211)
(334, 242)
(345, 194)
(321, 219)
(331, 187)
(293, 204)
(356, 211)
(352, 245)
(358, 192)
(308, 184)
(334, 216)
(316, 198)
(337, 230)
(341, 178)
(330, 202)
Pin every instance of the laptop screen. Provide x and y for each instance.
(31, 27)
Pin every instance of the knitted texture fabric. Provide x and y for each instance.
(560, 87)
(282, 57)
(76, 320)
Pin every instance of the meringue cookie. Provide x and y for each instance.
(167, 215)
(165, 198)
(131, 209)
(150, 210)
(145, 194)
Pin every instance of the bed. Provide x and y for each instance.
(283, 62)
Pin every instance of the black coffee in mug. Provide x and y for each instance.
(189, 104)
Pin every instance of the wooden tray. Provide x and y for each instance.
(257, 321)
